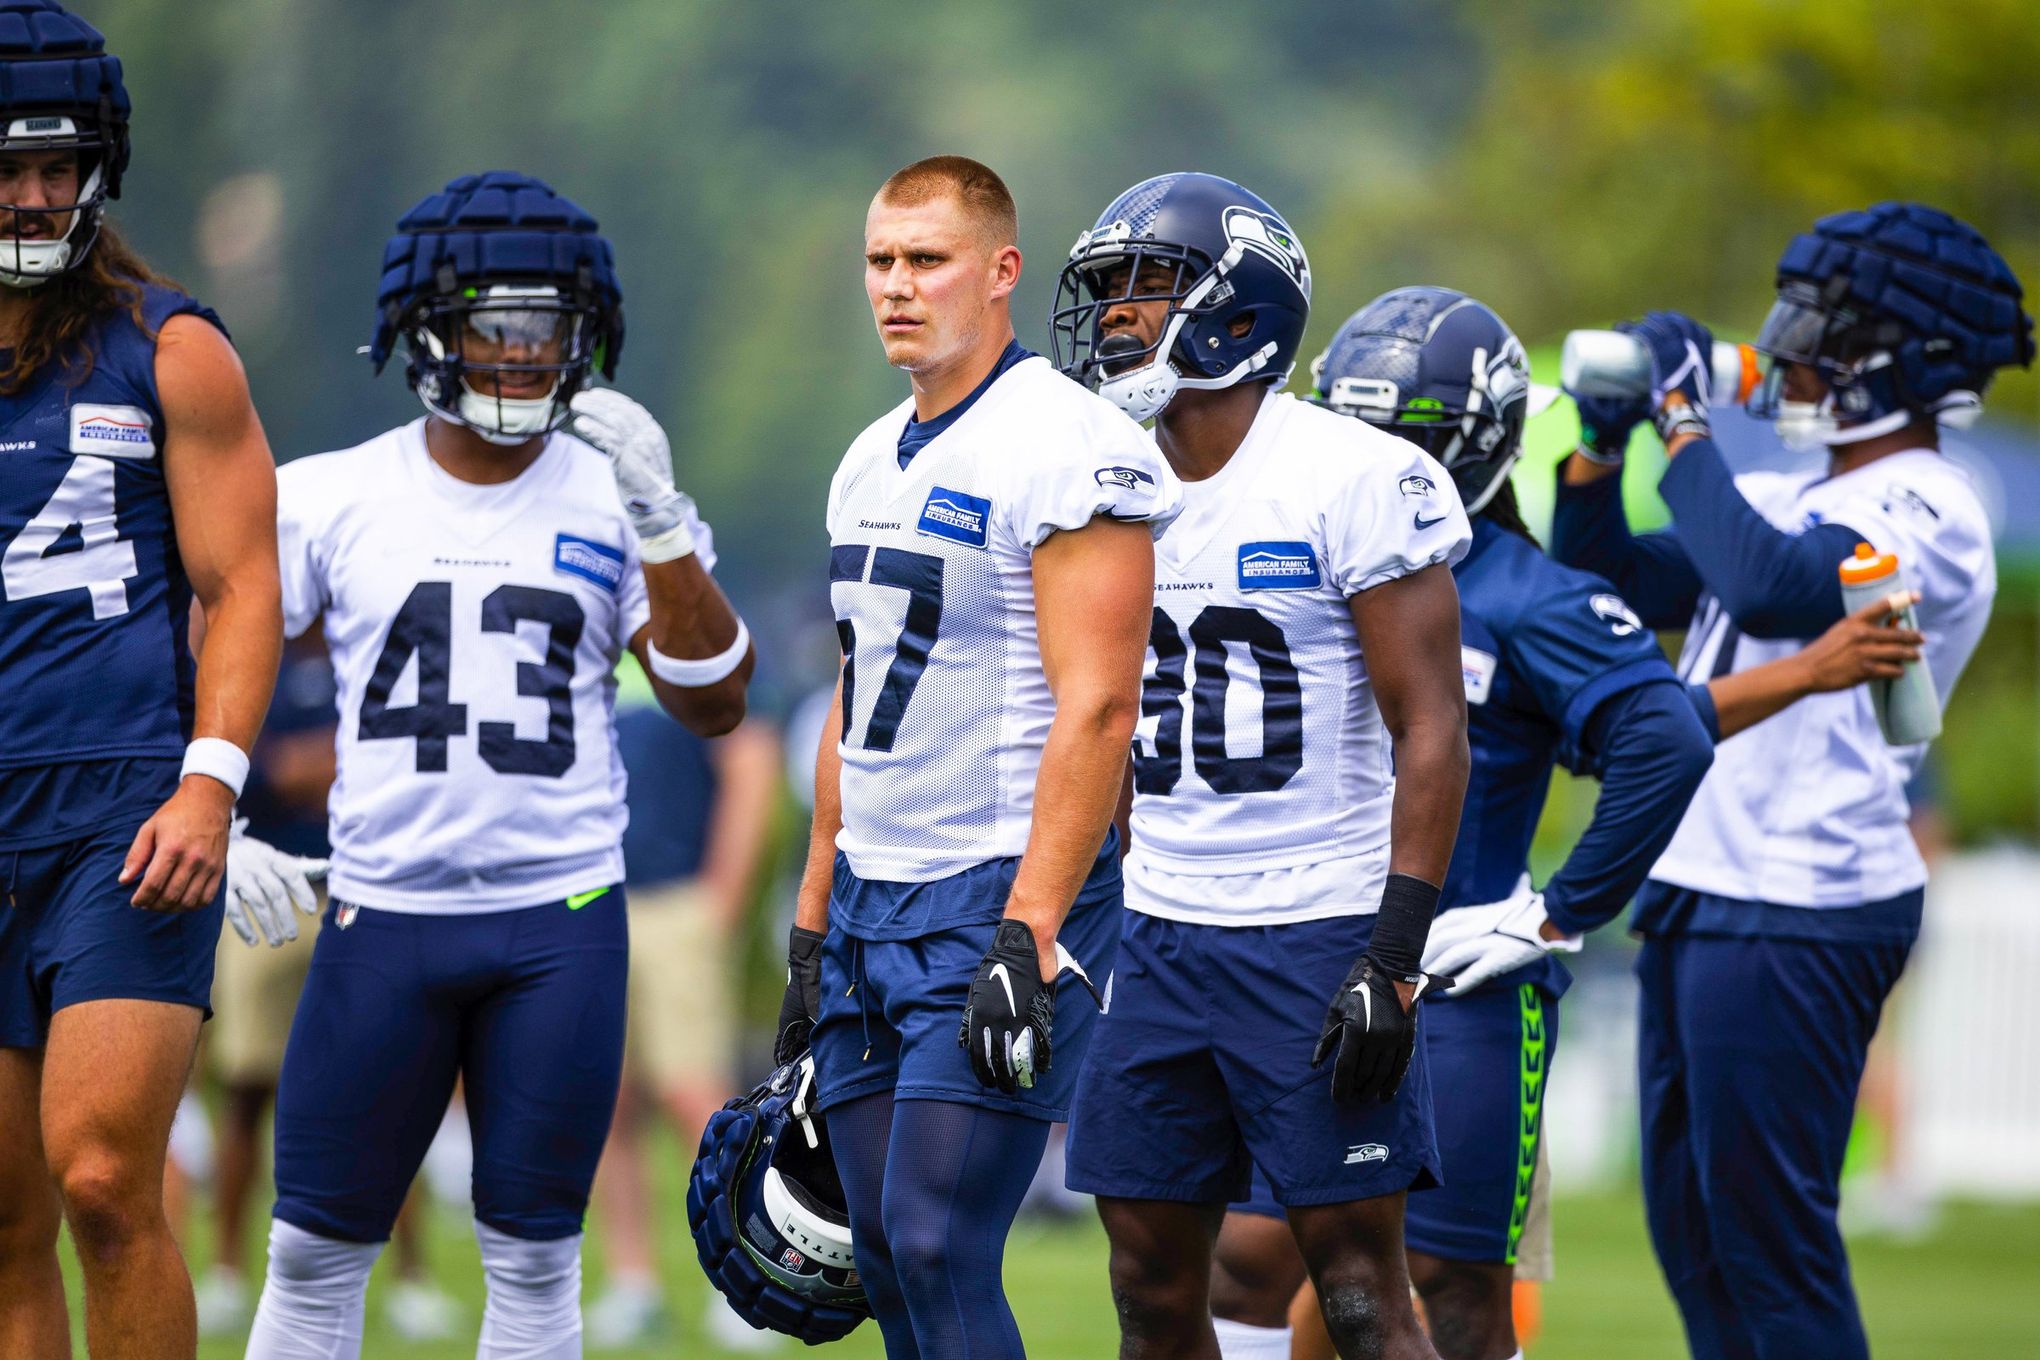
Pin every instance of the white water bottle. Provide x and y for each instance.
(1908, 710)
(1614, 365)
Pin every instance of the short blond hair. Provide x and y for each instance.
(975, 185)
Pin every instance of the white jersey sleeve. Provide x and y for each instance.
(1402, 516)
(304, 508)
(1925, 511)
(1111, 468)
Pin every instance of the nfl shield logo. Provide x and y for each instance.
(792, 1259)
(344, 914)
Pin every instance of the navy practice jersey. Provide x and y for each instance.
(1541, 646)
(95, 660)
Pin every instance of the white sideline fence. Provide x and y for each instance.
(1964, 1026)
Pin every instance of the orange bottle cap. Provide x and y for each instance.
(1867, 565)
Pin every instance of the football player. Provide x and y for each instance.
(992, 568)
(134, 479)
(1557, 670)
(1304, 634)
(1792, 890)
(477, 573)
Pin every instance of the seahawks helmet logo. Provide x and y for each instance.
(1268, 236)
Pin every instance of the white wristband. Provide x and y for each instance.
(670, 546)
(708, 670)
(219, 759)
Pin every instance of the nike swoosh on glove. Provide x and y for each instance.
(802, 1004)
(642, 460)
(1009, 1020)
(264, 885)
(1372, 1036)
(1475, 945)
(1682, 361)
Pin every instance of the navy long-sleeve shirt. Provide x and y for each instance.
(1773, 583)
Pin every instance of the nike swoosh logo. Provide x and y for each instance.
(1423, 523)
(1006, 981)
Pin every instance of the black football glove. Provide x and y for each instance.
(802, 1005)
(1010, 1016)
(1371, 1033)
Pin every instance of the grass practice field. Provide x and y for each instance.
(1965, 1289)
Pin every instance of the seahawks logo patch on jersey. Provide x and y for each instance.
(591, 561)
(1133, 479)
(112, 431)
(1621, 618)
(1279, 565)
(958, 517)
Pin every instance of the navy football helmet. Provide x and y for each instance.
(768, 1215)
(1905, 312)
(59, 91)
(1232, 257)
(495, 278)
(1442, 371)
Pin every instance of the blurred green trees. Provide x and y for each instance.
(1570, 161)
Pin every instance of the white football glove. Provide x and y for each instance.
(264, 883)
(1473, 945)
(643, 463)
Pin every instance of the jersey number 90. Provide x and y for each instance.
(1162, 698)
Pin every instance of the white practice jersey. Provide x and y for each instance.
(1262, 772)
(1808, 808)
(945, 705)
(475, 632)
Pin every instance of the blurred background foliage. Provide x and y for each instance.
(1569, 162)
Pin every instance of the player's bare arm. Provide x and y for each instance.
(1093, 595)
(222, 484)
(1864, 646)
(811, 912)
(693, 621)
(1409, 633)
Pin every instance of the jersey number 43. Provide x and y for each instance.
(424, 627)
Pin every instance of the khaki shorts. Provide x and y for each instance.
(1533, 1249)
(255, 994)
(680, 1030)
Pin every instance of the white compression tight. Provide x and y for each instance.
(1238, 1341)
(313, 1298)
(534, 1310)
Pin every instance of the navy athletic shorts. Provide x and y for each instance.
(1201, 1070)
(892, 1010)
(69, 934)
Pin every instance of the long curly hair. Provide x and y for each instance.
(63, 311)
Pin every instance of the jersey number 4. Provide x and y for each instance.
(424, 628)
(1162, 698)
(97, 561)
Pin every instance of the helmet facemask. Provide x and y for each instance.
(66, 231)
(1854, 357)
(1141, 380)
(468, 346)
